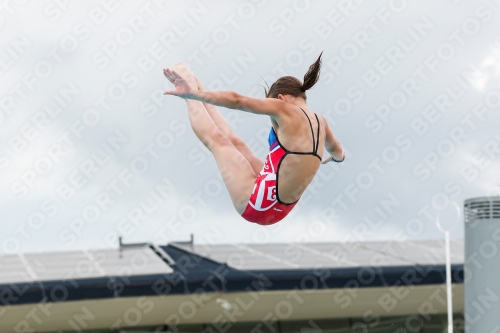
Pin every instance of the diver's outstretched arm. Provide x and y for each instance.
(272, 107)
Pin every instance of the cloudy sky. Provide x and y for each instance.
(91, 150)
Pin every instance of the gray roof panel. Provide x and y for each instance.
(329, 255)
(55, 266)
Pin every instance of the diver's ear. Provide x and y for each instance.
(282, 97)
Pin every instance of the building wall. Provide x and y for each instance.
(368, 324)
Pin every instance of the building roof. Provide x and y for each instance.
(142, 269)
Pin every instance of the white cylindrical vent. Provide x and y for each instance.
(482, 264)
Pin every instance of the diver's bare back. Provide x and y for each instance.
(302, 135)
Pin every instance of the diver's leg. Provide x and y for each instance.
(224, 127)
(236, 171)
(220, 122)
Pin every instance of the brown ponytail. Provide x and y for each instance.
(289, 85)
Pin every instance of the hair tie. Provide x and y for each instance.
(302, 89)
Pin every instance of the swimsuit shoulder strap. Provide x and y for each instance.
(317, 137)
(312, 132)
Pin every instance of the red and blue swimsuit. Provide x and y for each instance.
(264, 206)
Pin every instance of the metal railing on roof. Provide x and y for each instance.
(156, 249)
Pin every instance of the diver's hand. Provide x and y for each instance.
(330, 159)
(182, 88)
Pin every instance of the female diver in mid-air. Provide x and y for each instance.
(263, 192)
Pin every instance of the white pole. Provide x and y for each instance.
(448, 283)
(448, 264)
